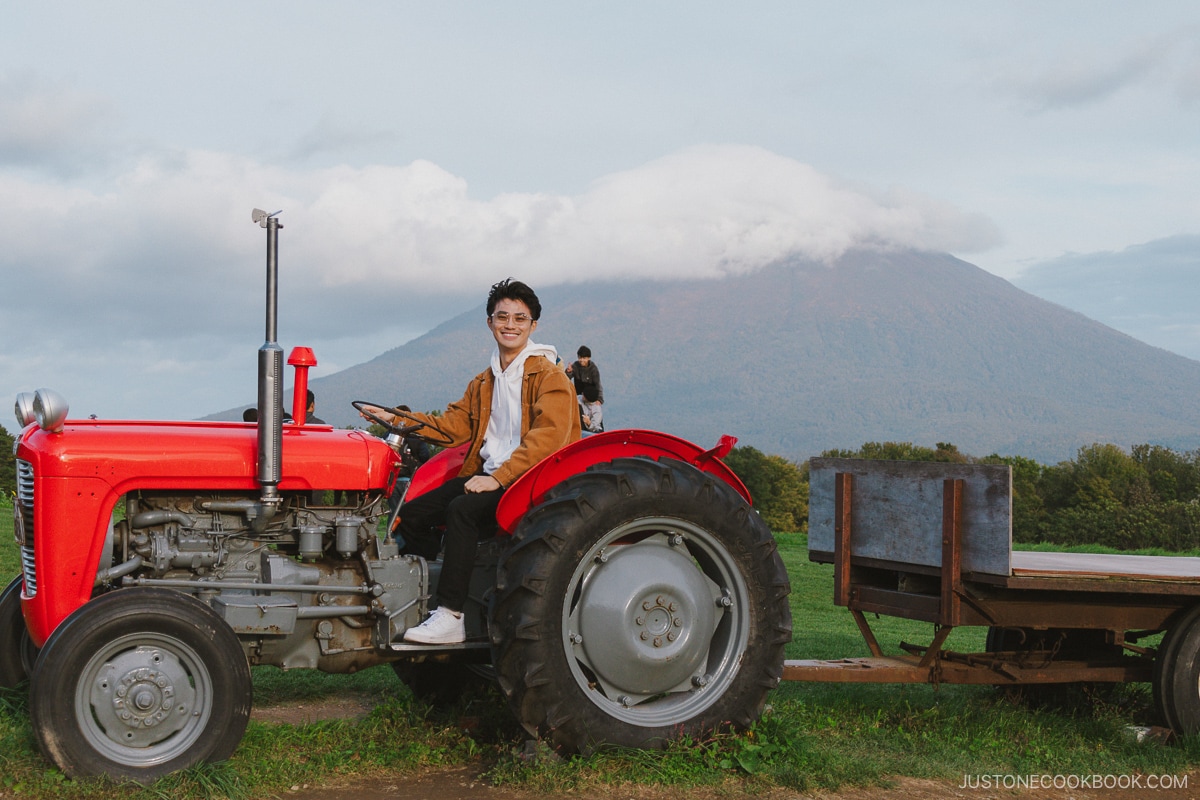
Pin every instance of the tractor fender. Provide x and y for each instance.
(531, 488)
(437, 470)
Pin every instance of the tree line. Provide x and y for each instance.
(1147, 497)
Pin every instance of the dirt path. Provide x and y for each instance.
(465, 784)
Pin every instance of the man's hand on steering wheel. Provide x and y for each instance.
(391, 417)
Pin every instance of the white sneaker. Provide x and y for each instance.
(443, 627)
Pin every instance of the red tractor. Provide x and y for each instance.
(631, 595)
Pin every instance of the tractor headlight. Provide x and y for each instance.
(24, 409)
(50, 410)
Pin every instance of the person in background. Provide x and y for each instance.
(584, 372)
(591, 412)
(310, 416)
(515, 413)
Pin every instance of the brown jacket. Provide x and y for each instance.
(549, 418)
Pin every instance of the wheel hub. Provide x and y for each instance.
(659, 622)
(644, 620)
(142, 696)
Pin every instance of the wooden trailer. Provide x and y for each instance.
(933, 542)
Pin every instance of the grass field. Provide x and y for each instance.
(813, 736)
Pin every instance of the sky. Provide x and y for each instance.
(421, 151)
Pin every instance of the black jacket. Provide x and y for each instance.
(587, 376)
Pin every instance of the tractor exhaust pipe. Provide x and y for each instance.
(270, 382)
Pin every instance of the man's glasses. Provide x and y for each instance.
(503, 318)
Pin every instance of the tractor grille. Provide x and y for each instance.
(23, 527)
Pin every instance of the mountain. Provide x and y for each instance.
(1146, 290)
(804, 356)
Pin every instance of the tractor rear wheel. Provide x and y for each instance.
(643, 601)
(139, 683)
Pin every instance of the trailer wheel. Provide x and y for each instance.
(17, 653)
(139, 683)
(1176, 679)
(641, 602)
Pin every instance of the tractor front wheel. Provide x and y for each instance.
(139, 683)
(17, 653)
(641, 602)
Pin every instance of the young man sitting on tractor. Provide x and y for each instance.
(511, 428)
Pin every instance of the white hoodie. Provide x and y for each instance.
(503, 433)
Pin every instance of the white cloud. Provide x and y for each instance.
(1081, 75)
(178, 224)
(703, 212)
(166, 259)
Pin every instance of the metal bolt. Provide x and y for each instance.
(671, 607)
(700, 681)
(676, 540)
(624, 700)
(677, 622)
(576, 638)
(640, 620)
(671, 636)
(646, 606)
(725, 602)
(660, 600)
(657, 641)
(602, 557)
(645, 636)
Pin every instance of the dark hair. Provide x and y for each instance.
(312, 398)
(508, 289)
(591, 392)
(584, 352)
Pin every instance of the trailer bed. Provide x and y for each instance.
(1105, 566)
(933, 542)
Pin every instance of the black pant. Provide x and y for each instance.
(469, 518)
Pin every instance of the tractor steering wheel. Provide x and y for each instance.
(410, 431)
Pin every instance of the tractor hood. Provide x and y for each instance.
(128, 455)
